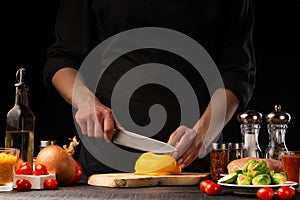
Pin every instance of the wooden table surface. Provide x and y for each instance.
(84, 191)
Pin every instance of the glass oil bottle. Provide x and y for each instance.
(20, 121)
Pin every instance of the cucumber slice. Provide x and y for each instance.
(229, 178)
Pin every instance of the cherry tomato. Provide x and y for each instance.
(265, 193)
(204, 183)
(213, 188)
(285, 192)
(77, 175)
(40, 169)
(23, 184)
(50, 184)
(25, 168)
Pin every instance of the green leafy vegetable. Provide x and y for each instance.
(243, 179)
(254, 172)
(262, 179)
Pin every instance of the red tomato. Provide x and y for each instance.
(23, 184)
(25, 168)
(265, 193)
(40, 169)
(285, 192)
(213, 189)
(77, 175)
(50, 184)
(204, 183)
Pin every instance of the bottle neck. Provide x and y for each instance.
(21, 97)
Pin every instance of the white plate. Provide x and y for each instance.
(252, 189)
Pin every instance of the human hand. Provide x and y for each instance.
(96, 120)
(188, 143)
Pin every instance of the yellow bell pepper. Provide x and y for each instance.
(155, 164)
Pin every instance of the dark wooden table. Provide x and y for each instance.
(83, 192)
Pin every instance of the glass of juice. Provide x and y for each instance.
(8, 160)
(291, 165)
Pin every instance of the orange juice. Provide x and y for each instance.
(7, 162)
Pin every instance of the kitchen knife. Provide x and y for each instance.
(139, 142)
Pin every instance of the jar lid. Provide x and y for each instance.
(250, 117)
(237, 145)
(220, 146)
(278, 116)
(44, 143)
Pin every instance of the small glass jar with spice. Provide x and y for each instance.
(237, 151)
(219, 159)
(44, 143)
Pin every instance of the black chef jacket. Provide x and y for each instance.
(223, 27)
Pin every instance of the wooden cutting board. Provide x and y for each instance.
(134, 180)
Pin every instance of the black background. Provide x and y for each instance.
(27, 29)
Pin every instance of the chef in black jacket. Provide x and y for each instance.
(223, 28)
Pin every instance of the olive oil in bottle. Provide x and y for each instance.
(20, 121)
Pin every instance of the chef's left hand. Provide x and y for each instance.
(188, 143)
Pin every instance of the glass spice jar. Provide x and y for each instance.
(237, 151)
(219, 159)
(44, 143)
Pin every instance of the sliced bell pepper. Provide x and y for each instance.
(156, 164)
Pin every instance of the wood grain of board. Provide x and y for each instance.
(134, 180)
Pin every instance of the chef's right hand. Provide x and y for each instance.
(96, 120)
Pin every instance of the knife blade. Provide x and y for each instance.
(139, 142)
